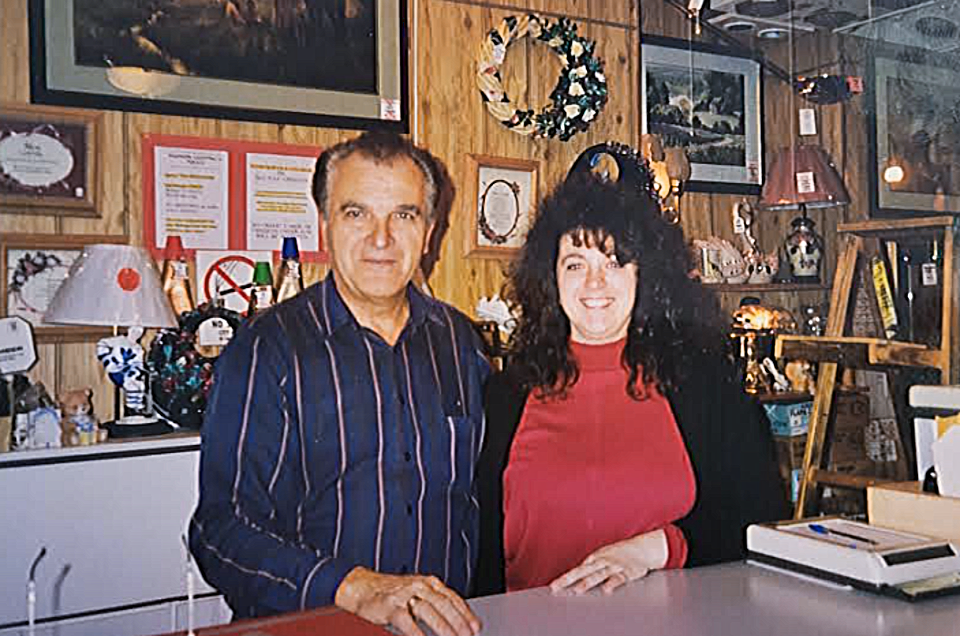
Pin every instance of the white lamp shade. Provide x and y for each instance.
(113, 286)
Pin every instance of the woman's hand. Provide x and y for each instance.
(616, 564)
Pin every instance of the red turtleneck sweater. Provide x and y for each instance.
(589, 470)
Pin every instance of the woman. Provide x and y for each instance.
(619, 439)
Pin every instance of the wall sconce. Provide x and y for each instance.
(671, 170)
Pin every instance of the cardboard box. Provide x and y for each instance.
(903, 506)
(789, 419)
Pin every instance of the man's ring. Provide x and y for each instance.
(410, 603)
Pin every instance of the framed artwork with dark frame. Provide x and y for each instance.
(708, 100)
(914, 133)
(32, 268)
(48, 160)
(502, 199)
(318, 63)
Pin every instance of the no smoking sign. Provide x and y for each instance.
(227, 274)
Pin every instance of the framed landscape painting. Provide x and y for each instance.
(707, 100)
(914, 133)
(335, 63)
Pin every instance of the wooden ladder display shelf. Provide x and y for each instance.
(833, 348)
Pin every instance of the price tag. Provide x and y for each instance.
(17, 351)
(214, 332)
(928, 274)
(739, 225)
(390, 109)
(808, 122)
(805, 183)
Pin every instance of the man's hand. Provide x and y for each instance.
(400, 601)
(616, 564)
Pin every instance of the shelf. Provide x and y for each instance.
(767, 287)
(856, 352)
(896, 227)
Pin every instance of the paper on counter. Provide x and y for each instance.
(946, 458)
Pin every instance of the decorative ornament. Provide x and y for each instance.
(182, 375)
(581, 90)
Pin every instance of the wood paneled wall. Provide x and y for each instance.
(452, 122)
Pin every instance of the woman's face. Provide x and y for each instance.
(596, 292)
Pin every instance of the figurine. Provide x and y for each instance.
(78, 425)
(761, 267)
(800, 374)
(122, 358)
(723, 263)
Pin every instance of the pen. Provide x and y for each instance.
(821, 529)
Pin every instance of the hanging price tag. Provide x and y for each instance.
(928, 274)
(805, 183)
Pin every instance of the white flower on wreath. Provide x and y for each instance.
(600, 77)
(572, 110)
(589, 114)
(576, 49)
(499, 53)
(563, 60)
(554, 42)
(576, 90)
(580, 71)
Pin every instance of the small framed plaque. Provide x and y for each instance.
(48, 162)
(502, 204)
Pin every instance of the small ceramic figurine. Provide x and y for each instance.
(122, 358)
(761, 267)
(800, 374)
(78, 425)
(722, 262)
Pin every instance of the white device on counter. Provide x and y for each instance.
(872, 558)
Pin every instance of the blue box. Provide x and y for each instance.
(789, 419)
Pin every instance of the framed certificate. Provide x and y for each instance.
(502, 204)
(32, 268)
(48, 161)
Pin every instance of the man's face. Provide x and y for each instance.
(375, 228)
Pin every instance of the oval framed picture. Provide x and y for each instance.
(502, 203)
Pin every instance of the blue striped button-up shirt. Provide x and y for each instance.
(324, 448)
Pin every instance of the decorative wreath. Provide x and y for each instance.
(182, 375)
(31, 264)
(581, 90)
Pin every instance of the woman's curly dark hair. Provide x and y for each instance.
(674, 319)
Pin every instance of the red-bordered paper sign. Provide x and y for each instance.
(222, 194)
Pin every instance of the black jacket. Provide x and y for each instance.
(730, 446)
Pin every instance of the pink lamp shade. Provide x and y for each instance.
(113, 286)
(803, 175)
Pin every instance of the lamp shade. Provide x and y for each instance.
(113, 286)
(803, 175)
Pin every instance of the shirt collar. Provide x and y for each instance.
(336, 314)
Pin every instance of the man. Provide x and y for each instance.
(343, 427)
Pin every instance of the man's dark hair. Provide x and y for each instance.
(674, 319)
(381, 147)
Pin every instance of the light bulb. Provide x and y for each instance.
(893, 174)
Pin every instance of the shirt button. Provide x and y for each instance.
(407, 456)
(409, 509)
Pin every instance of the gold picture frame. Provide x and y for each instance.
(32, 267)
(501, 201)
(48, 160)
